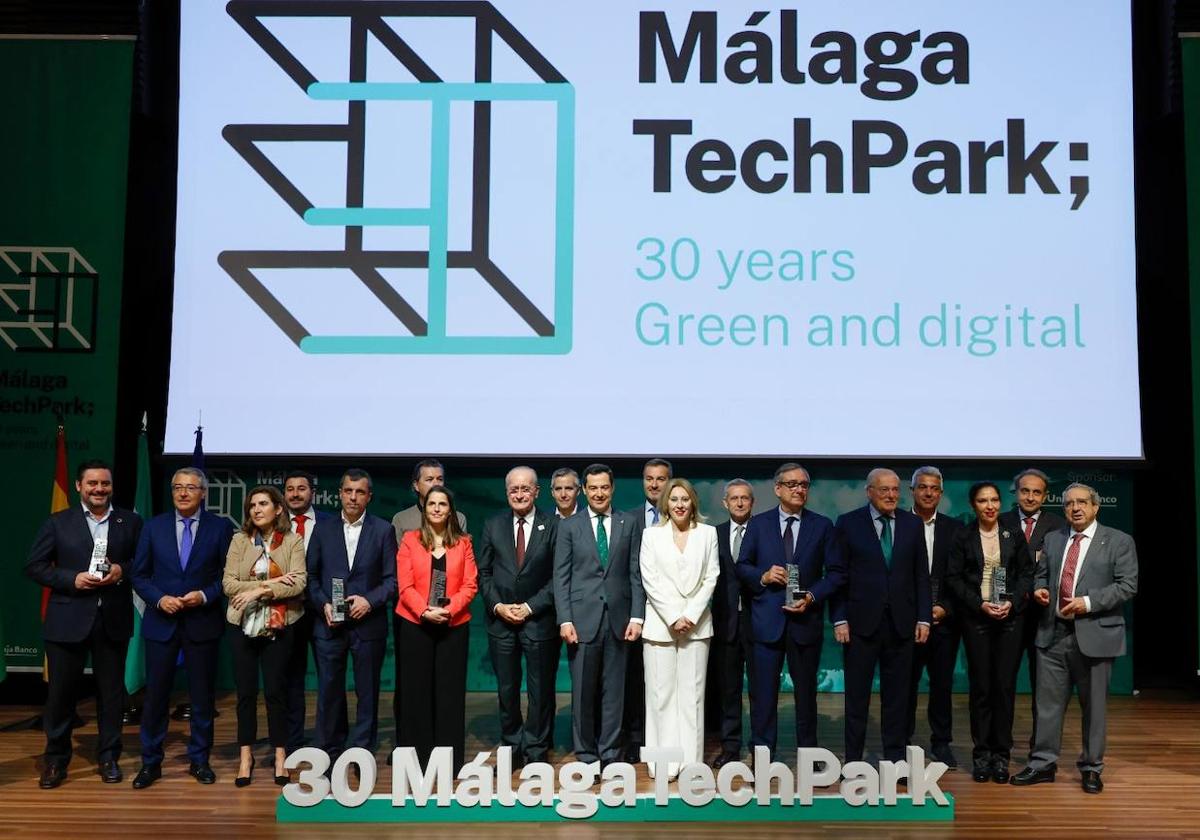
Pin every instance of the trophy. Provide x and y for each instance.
(793, 596)
(99, 566)
(437, 589)
(338, 600)
(999, 593)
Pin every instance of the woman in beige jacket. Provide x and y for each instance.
(264, 579)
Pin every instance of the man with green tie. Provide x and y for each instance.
(601, 607)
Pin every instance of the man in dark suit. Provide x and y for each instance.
(1031, 487)
(787, 535)
(655, 474)
(939, 654)
(516, 579)
(298, 495)
(177, 571)
(1086, 574)
(884, 606)
(360, 550)
(89, 612)
(601, 607)
(731, 655)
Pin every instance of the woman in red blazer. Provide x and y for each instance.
(435, 570)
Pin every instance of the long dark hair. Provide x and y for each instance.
(453, 532)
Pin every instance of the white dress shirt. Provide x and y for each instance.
(1089, 533)
(929, 527)
(352, 531)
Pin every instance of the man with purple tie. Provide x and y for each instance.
(177, 571)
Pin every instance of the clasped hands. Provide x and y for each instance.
(997, 611)
(171, 604)
(513, 613)
(1076, 606)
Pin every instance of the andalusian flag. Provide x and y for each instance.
(135, 659)
(58, 501)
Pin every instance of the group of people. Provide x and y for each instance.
(642, 599)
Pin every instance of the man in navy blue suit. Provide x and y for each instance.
(88, 615)
(177, 571)
(787, 535)
(884, 606)
(298, 495)
(360, 549)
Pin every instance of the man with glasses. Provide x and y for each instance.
(516, 576)
(177, 571)
(883, 608)
(792, 630)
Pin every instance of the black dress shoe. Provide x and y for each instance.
(182, 712)
(982, 773)
(633, 755)
(1029, 776)
(148, 775)
(944, 754)
(1091, 782)
(242, 781)
(1000, 773)
(110, 773)
(52, 776)
(202, 773)
(724, 758)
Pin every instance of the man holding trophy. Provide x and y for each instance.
(787, 567)
(351, 574)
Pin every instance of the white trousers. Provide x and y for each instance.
(675, 698)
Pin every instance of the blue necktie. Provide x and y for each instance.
(654, 515)
(789, 545)
(185, 544)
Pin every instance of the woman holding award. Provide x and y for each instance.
(435, 571)
(990, 575)
(264, 578)
(679, 568)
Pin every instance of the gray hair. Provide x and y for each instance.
(1091, 491)
(920, 471)
(196, 473)
(1036, 473)
(875, 474)
(741, 482)
(788, 467)
(518, 468)
(563, 471)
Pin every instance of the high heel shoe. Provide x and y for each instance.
(243, 781)
(282, 780)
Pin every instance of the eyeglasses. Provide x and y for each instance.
(792, 485)
(520, 490)
(185, 488)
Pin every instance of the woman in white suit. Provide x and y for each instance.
(679, 571)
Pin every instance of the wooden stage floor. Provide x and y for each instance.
(1152, 785)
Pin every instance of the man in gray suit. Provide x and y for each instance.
(601, 607)
(1086, 574)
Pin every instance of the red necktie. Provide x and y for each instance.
(520, 542)
(1030, 522)
(300, 524)
(1066, 584)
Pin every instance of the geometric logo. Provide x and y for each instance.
(50, 304)
(458, 111)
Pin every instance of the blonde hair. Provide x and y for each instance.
(664, 506)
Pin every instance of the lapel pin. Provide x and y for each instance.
(541, 527)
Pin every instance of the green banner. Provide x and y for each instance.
(835, 490)
(64, 152)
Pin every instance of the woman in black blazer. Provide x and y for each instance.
(991, 624)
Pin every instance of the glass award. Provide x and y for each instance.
(999, 585)
(338, 599)
(793, 595)
(437, 589)
(99, 566)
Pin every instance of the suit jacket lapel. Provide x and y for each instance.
(1095, 554)
(533, 539)
(803, 535)
(618, 525)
